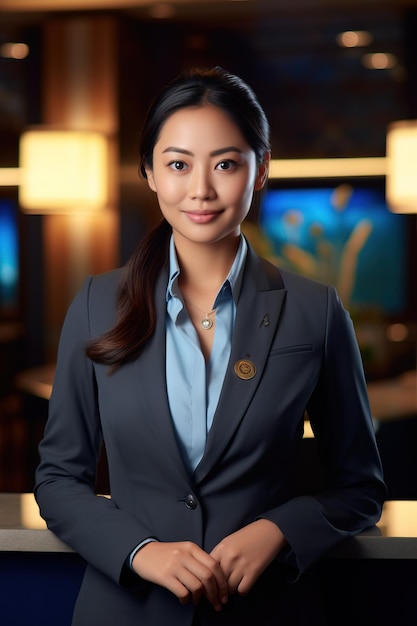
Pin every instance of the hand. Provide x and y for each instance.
(183, 568)
(245, 554)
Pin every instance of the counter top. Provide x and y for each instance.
(21, 527)
(394, 537)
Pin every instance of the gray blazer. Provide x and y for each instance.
(301, 343)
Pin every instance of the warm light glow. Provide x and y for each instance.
(29, 512)
(354, 38)
(9, 176)
(398, 519)
(82, 5)
(379, 61)
(401, 182)
(327, 168)
(397, 332)
(14, 50)
(70, 5)
(162, 10)
(63, 171)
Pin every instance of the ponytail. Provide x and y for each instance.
(135, 309)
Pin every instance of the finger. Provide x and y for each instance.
(212, 583)
(246, 583)
(233, 581)
(192, 584)
(244, 587)
(180, 591)
(212, 573)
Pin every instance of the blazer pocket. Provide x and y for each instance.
(305, 347)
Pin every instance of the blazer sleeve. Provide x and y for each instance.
(340, 416)
(65, 478)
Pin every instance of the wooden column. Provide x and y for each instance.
(79, 91)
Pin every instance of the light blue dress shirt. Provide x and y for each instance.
(193, 385)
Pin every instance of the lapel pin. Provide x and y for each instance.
(244, 369)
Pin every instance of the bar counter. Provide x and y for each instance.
(368, 579)
(39, 575)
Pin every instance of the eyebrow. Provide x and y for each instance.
(213, 153)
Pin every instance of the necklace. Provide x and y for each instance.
(206, 323)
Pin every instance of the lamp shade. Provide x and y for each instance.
(401, 173)
(63, 171)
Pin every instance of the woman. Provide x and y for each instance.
(196, 364)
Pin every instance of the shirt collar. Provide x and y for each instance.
(233, 279)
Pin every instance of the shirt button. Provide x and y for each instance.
(190, 502)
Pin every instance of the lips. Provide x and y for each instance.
(202, 217)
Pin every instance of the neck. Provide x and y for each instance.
(205, 266)
(204, 269)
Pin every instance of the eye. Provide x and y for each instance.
(178, 166)
(226, 165)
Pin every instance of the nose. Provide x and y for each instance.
(201, 187)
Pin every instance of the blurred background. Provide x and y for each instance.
(334, 77)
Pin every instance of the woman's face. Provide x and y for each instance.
(204, 174)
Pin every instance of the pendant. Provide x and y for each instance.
(206, 323)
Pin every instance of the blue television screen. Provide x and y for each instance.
(344, 236)
(9, 256)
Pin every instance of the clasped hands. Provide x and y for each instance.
(233, 566)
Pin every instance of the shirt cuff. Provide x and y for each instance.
(137, 548)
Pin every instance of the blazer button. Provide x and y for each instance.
(190, 502)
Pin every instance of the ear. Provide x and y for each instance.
(263, 171)
(150, 178)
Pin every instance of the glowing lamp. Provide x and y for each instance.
(401, 174)
(63, 171)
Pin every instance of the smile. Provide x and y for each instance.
(202, 217)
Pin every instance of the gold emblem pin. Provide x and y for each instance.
(245, 369)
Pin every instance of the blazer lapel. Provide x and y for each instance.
(259, 307)
(150, 373)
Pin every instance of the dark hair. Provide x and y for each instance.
(136, 314)
(207, 86)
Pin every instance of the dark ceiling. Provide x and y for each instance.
(320, 97)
